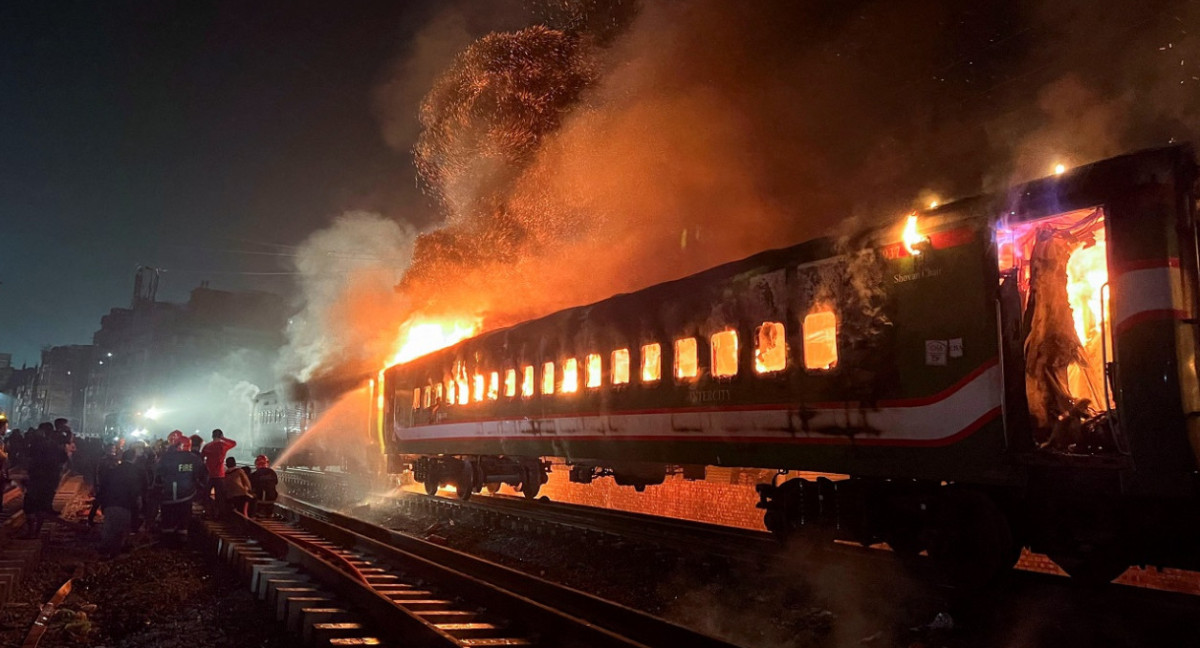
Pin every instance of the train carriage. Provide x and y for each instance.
(1005, 371)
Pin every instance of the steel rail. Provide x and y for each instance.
(551, 609)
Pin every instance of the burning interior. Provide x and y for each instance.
(1059, 267)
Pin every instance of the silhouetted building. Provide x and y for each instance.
(61, 383)
(144, 350)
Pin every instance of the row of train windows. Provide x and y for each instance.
(819, 330)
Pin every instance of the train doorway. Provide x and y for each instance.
(1054, 272)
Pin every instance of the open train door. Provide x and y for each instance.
(1056, 333)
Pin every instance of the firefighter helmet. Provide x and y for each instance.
(176, 439)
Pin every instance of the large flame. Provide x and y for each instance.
(418, 338)
(1087, 274)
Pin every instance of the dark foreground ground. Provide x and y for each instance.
(148, 597)
(818, 599)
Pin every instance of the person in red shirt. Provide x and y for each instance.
(213, 454)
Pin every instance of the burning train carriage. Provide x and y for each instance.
(1008, 371)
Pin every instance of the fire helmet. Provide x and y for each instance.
(176, 439)
(261, 461)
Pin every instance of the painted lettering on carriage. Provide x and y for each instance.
(710, 396)
(923, 273)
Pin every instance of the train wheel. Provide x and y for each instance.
(492, 487)
(531, 482)
(466, 481)
(970, 542)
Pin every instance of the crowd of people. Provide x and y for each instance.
(153, 485)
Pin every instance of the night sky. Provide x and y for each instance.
(209, 139)
(175, 134)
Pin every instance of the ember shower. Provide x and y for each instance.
(612, 145)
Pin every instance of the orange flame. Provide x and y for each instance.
(420, 338)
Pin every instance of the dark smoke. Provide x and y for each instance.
(622, 144)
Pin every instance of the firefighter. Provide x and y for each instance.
(263, 482)
(181, 474)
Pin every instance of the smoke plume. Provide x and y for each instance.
(620, 144)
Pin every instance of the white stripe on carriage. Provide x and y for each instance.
(930, 422)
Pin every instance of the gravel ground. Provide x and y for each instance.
(784, 606)
(815, 601)
(149, 596)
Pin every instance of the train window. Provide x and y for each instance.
(510, 383)
(548, 378)
(770, 350)
(651, 362)
(463, 389)
(527, 381)
(570, 379)
(450, 392)
(687, 364)
(417, 398)
(494, 386)
(438, 389)
(620, 367)
(724, 354)
(820, 339)
(477, 396)
(428, 396)
(593, 370)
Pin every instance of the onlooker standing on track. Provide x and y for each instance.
(214, 459)
(46, 459)
(263, 482)
(237, 487)
(104, 468)
(181, 474)
(122, 493)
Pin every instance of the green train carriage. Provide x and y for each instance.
(896, 358)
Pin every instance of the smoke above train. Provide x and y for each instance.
(614, 145)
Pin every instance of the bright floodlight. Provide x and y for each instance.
(1060, 169)
(153, 413)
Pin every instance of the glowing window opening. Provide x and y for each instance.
(724, 354)
(687, 361)
(527, 381)
(428, 396)
(620, 367)
(770, 348)
(548, 378)
(652, 362)
(493, 391)
(510, 383)
(417, 398)
(450, 389)
(438, 388)
(820, 339)
(570, 377)
(463, 388)
(479, 385)
(594, 370)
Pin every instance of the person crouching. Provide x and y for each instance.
(264, 483)
(237, 488)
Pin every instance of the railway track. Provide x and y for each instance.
(342, 581)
